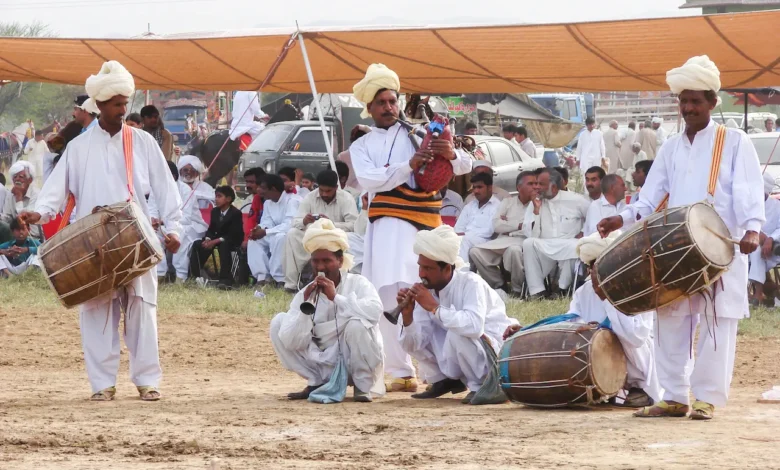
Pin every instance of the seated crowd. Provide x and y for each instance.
(523, 244)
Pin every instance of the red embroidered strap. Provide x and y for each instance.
(68, 211)
(127, 145)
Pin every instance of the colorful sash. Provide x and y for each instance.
(419, 208)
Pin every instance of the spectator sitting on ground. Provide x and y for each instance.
(23, 195)
(20, 253)
(290, 177)
(191, 172)
(482, 166)
(309, 182)
(475, 223)
(225, 234)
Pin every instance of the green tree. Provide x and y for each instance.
(41, 102)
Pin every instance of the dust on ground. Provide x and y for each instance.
(223, 408)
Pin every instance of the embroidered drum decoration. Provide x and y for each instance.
(671, 254)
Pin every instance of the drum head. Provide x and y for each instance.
(607, 362)
(145, 226)
(702, 222)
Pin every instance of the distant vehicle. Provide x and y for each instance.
(175, 119)
(568, 106)
(766, 143)
(755, 120)
(298, 144)
(507, 159)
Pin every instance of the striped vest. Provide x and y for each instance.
(419, 208)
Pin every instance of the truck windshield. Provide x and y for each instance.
(271, 138)
(180, 114)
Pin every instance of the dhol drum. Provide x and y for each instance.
(562, 364)
(100, 253)
(671, 254)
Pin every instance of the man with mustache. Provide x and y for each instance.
(384, 161)
(734, 185)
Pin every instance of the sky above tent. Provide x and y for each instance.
(125, 18)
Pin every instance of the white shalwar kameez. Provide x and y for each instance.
(446, 343)
(590, 149)
(635, 334)
(551, 239)
(758, 264)
(451, 204)
(193, 228)
(306, 344)
(598, 210)
(357, 241)
(264, 256)
(476, 224)
(506, 249)
(93, 170)
(246, 107)
(681, 169)
(381, 163)
(34, 152)
(204, 194)
(612, 145)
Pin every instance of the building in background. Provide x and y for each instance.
(626, 106)
(710, 7)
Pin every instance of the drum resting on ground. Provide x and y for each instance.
(562, 364)
(99, 253)
(669, 255)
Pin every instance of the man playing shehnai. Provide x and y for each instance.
(348, 311)
(451, 315)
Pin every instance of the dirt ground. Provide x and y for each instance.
(223, 409)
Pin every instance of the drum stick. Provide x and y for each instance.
(725, 239)
(164, 232)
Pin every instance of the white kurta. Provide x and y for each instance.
(599, 210)
(635, 334)
(590, 149)
(452, 204)
(265, 255)
(204, 193)
(307, 344)
(506, 249)
(34, 152)
(476, 223)
(446, 343)
(681, 169)
(528, 147)
(381, 163)
(649, 141)
(342, 210)
(93, 170)
(193, 228)
(551, 241)
(357, 241)
(12, 208)
(612, 145)
(626, 153)
(246, 107)
(771, 228)
(660, 136)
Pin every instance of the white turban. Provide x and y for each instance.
(190, 160)
(440, 244)
(769, 183)
(378, 77)
(20, 166)
(90, 106)
(699, 73)
(112, 80)
(589, 248)
(658, 120)
(323, 235)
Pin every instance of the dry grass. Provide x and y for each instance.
(31, 290)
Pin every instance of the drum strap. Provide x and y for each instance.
(717, 156)
(127, 147)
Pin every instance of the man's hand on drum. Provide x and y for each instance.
(443, 148)
(420, 158)
(510, 330)
(609, 225)
(749, 242)
(31, 218)
(172, 243)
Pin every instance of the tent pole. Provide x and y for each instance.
(328, 144)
